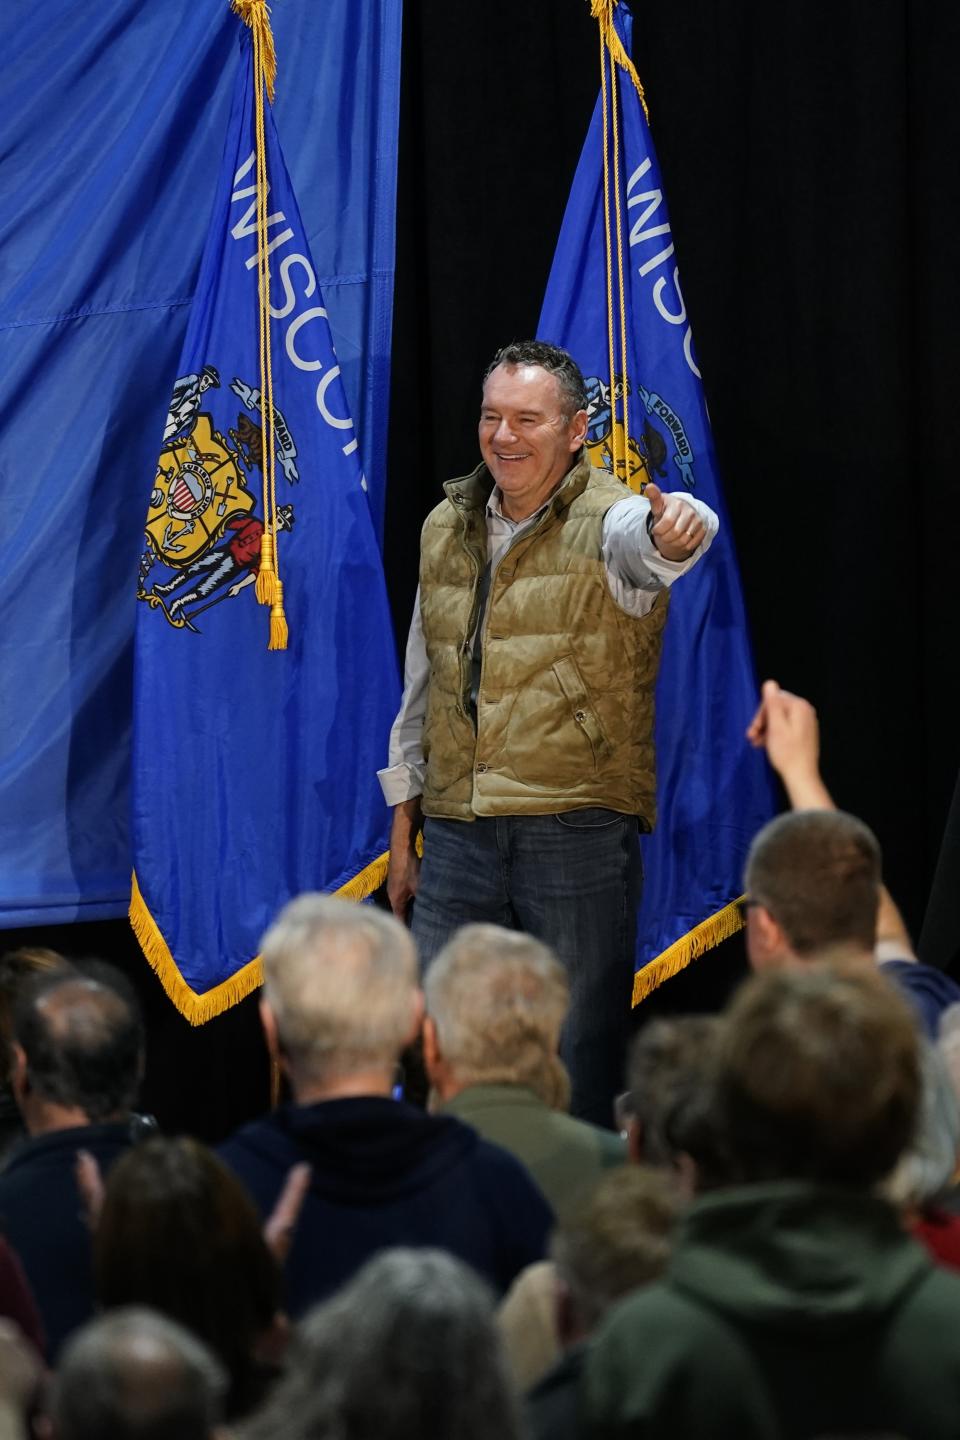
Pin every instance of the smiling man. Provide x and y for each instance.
(524, 742)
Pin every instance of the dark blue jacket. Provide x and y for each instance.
(385, 1173)
(930, 991)
(41, 1215)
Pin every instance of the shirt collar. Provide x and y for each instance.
(495, 509)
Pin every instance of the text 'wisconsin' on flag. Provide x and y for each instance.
(254, 770)
(614, 301)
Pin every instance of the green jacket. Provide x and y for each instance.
(789, 1311)
(564, 715)
(566, 1157)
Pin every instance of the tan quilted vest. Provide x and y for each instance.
(565, 704)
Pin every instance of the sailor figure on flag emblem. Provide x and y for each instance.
(636, 460)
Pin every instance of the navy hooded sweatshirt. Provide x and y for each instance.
(385, 1173)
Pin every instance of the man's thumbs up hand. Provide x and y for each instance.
(676, 527)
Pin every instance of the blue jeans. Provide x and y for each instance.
(574, 881)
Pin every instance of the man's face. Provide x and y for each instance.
(526, 443)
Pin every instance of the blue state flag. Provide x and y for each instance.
(648, 421)
(254, 770)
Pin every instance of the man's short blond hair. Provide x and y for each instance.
(498, 999)
(341, 980)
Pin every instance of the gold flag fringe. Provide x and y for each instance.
(696, 942)
(198, 1009)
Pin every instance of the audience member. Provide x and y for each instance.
(17, 969)
(826, 900)
(795, 1304)
(135, 1375)
(668, 1126)
(340, 1003)
(496, 1003)
(77, 1060)
(618, 1242)
(177, 1232)
(668, 1071)
(924, 1177)
(408, 1350)
(21, 1383)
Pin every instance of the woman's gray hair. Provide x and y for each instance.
(407, 1350)
(926, 1169)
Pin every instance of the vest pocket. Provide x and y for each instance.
(578, 696)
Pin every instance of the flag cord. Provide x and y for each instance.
(621, 293)
(602, 11)
(612, 52)
(269, 587)
(609, 251)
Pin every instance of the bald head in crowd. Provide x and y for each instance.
(77, 1048)
(134, 1375)
(813, 884)
(340, 997)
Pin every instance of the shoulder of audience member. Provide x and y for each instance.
(501, 1175)
(691, 1357)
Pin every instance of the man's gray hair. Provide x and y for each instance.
(341, 980)
(134, 1375)
(406, 1350)
(498, 999)
(557, 362)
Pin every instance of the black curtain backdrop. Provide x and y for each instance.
(809, 154)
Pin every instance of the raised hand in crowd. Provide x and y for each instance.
(786, 726)
(278, 1229)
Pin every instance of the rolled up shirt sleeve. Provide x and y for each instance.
(402, 777)
(636, 571)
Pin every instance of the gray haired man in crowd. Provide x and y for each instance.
(340, 1003)
(132, 1374)
(77, 1057)
(496, 1003)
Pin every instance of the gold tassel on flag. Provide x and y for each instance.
(269, 590)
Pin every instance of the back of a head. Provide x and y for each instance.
(18, 968)
(407, 1350)
(670, 1066)
(82, 1036)
(341, 981)
(818, 1077)
(178, 1232)
(498, 999)
(134, 1375)
(619, 1240)
(818, 874)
